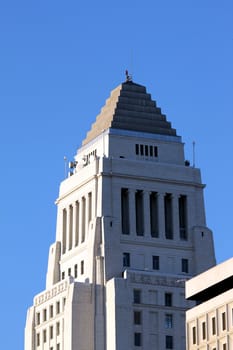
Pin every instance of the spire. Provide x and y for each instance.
(130, 107)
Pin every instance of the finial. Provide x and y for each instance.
(128, 76)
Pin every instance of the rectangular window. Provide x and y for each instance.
(63, 275)
(44, 315)
(58, 307)
(137, 339)
(51, 332)
(213, 325)
(154, 227)
(146, 150)
(63, 303)
(168, 299)
(169, 342)
(37, 318)
(125, 211)
(137, 149)
(137, 317)
(137, 296)
(168, 216)
(126, 259)
(58, 328)
(183, 217)
(185, 265)
(141, 150)
(155, 151)
(75, 271)
(223, 321)
(44, 336)
(82, 267)
(89, 206)
(203, 330)
(151, 151)
(139, 213)
(155, 262)
(38, 339)
(168, 321)
(224, 346)
(51, 311)
(69, 271)
(58, 346)
(194, 335)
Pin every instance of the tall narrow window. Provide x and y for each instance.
(51, 332)
(137, 296)
(83, 218)
(137, 317)
(64, 226)
(141, 150)
(58, 328)
(194, 335)
(169, 342)
(38, 339)
(155, 151)
(89, 206)
(70, 226)
(183, 217)
(154, 215)
(82, 267)
(146, 150)
(139, 213)
(51, 311)
(76, 222)
(151, 151)
(58, 307)
(223, 321)
(168, 299)
(168, 321)
(126, 259)
(45, 315)
(203, 330)
(213, 325)
(75, 271)
(168, 216)
(155, 262)
(44, 336)
(125, 211)
(137, 339)
(37, 318)
(137, 148)
(185, 265)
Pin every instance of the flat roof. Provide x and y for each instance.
(210, 283)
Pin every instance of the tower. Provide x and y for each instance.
(130, 230)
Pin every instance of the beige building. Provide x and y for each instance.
(209, 325)
(131, 228)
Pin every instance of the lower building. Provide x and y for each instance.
(209, 325)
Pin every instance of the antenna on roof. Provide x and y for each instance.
(128, 76)
(194, 153)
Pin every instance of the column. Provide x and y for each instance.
(70, 228)
(82, 220)
(161, 215)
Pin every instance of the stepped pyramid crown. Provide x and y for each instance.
(130, 107)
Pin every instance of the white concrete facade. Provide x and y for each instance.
(209, 325)
(130, 229)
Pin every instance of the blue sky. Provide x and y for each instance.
(58, 63)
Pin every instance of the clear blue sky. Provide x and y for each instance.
(58, 62)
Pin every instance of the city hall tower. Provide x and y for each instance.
(131, 229)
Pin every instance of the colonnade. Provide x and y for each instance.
(153, 214)
(75, 219)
